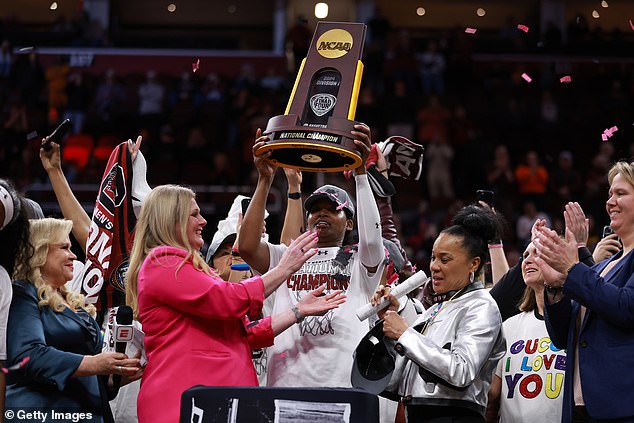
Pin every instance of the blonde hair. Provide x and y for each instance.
(528, 302)
(162, 222)
(625, 169)
(45, 232)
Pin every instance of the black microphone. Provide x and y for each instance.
(56, 135)
(123, 333)
(123, 329)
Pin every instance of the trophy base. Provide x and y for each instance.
(311, 149)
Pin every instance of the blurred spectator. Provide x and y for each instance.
(432, 69)
(501, 179)
(379, 29)
(549, 111)
(438, 157)
(78, 101)
(299, 36)
(57, 78)
(29, 79)
(564, 182)
(109, 99)
(400, 111)
(530, 213)
(432, 120)
(151, 95)
(532, 179)
(273, 81)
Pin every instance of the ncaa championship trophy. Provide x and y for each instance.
(313, 134)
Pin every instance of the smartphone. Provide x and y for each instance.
(245, 205)
(607, 230)
(57, 134)
(485, 195)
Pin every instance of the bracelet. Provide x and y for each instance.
(298, 316)
(240, 266)
(295, 195)
(498, 245)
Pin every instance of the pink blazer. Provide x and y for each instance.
(197, 331)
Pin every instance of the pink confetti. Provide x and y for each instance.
(565, 79)
(527, 78)
(522, 27)
(196, 65)
(631, 25)
(608, 132)
(470, 30)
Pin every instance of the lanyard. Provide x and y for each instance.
(435, 312)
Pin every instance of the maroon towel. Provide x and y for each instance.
(110, 235)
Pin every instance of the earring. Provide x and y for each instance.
(471, 277)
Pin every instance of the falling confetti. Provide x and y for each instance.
(522, 27)
(470, 30)
(565, 79)
(527, 78)
(21, 364)
(608, 132)
(196, 65)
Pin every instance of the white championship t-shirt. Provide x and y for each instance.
(318, 351)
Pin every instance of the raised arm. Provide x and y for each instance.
(371, 249)
(253, 249)
(68, 203)
(294, 217)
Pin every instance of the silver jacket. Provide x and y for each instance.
(453, 362)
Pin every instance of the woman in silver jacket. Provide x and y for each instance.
(446, 358)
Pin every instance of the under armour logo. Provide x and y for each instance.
(319, 252)
(377, 225)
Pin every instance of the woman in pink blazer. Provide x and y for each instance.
(198, 328)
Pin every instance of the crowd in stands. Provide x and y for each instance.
(537, 145)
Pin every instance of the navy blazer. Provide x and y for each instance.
(55, 344)
(606, 339)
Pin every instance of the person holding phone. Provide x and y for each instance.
(609, 245)
(590, 311)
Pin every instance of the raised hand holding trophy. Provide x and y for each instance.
(314, 132)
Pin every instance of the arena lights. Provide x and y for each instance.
(171, 8)
(595, 14)
(481, 12)
(53, 6)
(232, 9)
(321, 10)
(421, 11)
(604, 4)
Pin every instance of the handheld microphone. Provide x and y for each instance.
(56, 135)
(123, 333)
(123, 329)
(417, 279)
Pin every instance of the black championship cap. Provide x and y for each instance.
(334, 194)
(373, 362)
